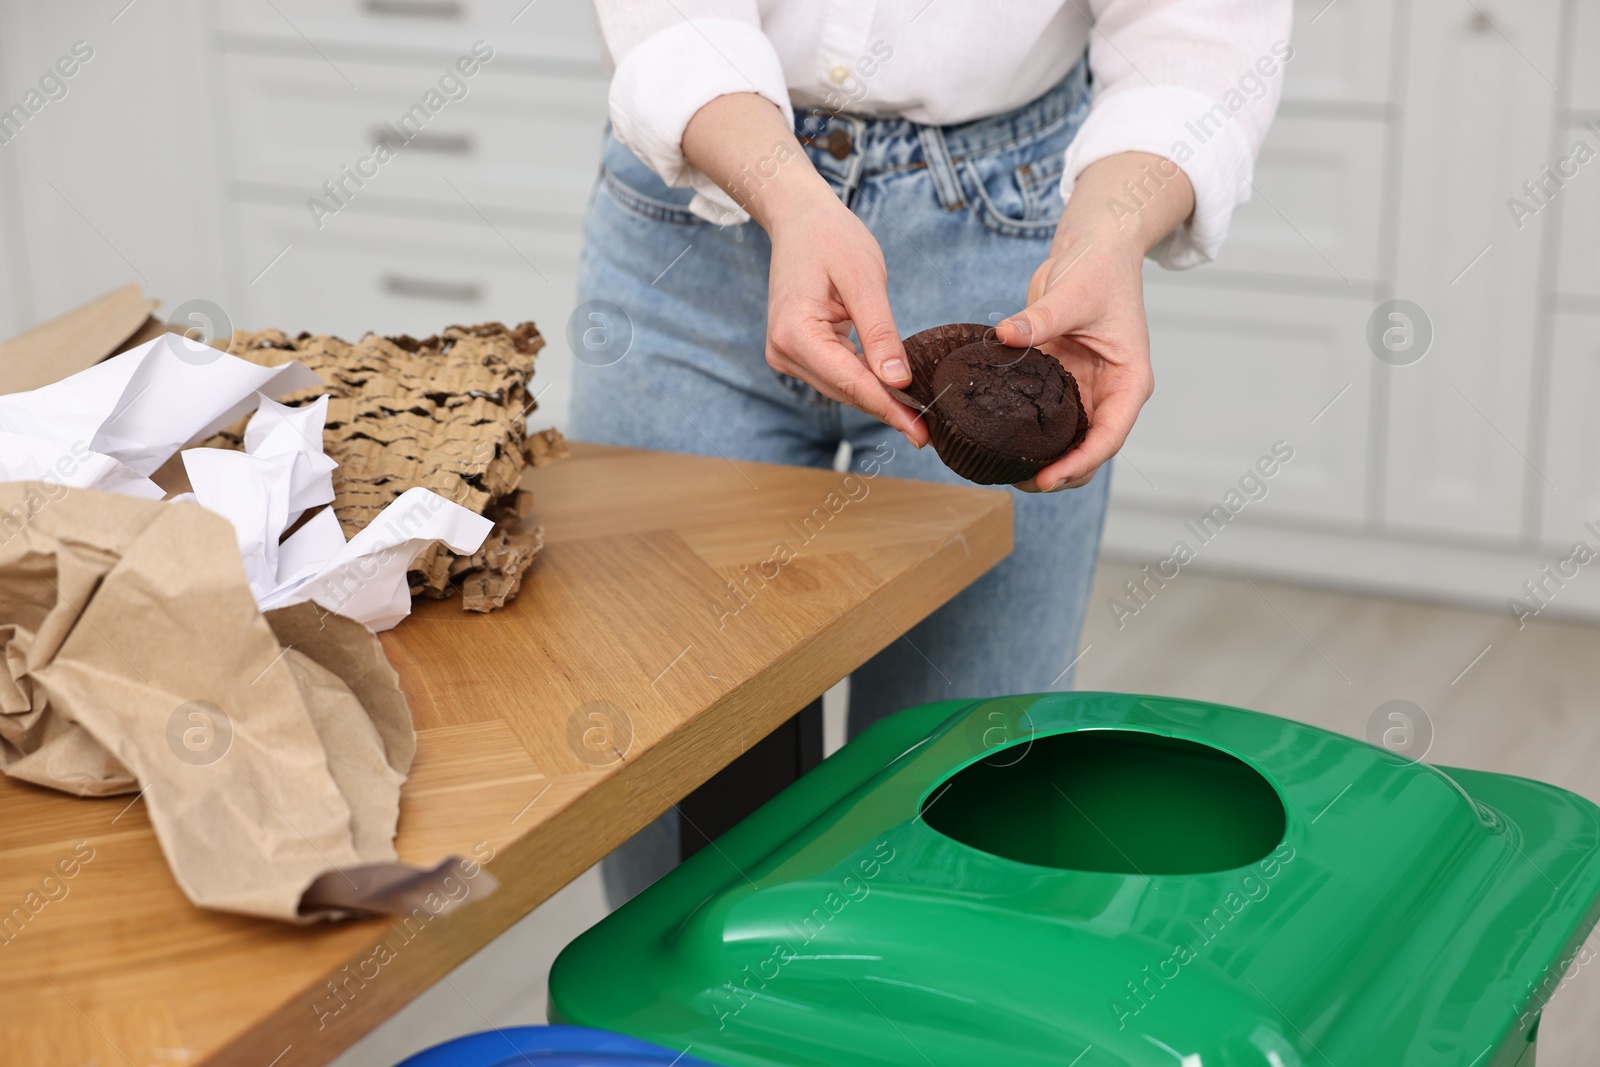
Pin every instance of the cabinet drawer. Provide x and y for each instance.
(520, 141)
(1236, 372)
(1341, 52)
(1572, 434)
(374, 273)
(15, 310)
(1583, 93)
(1579, 229)
(545, 29)
(1478, 123)
(1317, 210)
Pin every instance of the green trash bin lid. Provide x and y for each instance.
(1091, 879)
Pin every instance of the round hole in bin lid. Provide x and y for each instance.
(1118, 801)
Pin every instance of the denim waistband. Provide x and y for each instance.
(846, 146)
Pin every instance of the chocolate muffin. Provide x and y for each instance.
(997, 415)
(1018, 401)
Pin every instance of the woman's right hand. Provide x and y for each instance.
(827, 275)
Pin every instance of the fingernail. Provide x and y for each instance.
(1023, 330)
(895, 369)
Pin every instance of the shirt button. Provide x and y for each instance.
(839, 73)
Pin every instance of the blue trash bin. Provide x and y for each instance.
(549, 1046)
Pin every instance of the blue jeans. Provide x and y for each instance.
(964, 214)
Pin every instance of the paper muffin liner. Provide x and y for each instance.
(972, 460)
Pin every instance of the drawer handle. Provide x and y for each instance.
(432, 289)
(449, 144)
(417, 9)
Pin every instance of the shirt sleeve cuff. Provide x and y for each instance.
(665, 79)
(1197, 133)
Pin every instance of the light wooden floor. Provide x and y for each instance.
(1522, 702)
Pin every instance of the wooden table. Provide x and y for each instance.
(628, 616)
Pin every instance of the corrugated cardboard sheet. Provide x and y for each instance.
(448, 413)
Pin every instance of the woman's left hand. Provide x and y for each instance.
(1086, 302)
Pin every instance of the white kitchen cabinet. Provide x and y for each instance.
(551, 31)
(1316, 213)
(369, 274)
(1235, 373)
(477, 217)
(1572, 432)
(525, 142)
(1453, 476)
(1342, 53)
(116, 180)
(15, 303)
(1252, 348)
(1584, 48)
(1576, 219)
(12, 317)
(1479, 108)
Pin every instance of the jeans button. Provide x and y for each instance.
(838, 143)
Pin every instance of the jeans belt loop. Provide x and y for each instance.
(945, 179)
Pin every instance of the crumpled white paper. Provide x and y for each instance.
(110, 427)
(263, 490)
(135, 410)
(282, 473)
(365, 579)
(24, 458)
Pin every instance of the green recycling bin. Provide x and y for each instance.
(1096, 879)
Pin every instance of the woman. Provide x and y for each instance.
(789, 187)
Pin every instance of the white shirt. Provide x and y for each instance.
(1196, 81)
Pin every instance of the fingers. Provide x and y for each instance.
(819, 352)
(1058, 309)
(1114, 414)
(1043, 320)
(818, 356)
(1091, 319)
(866, 299)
